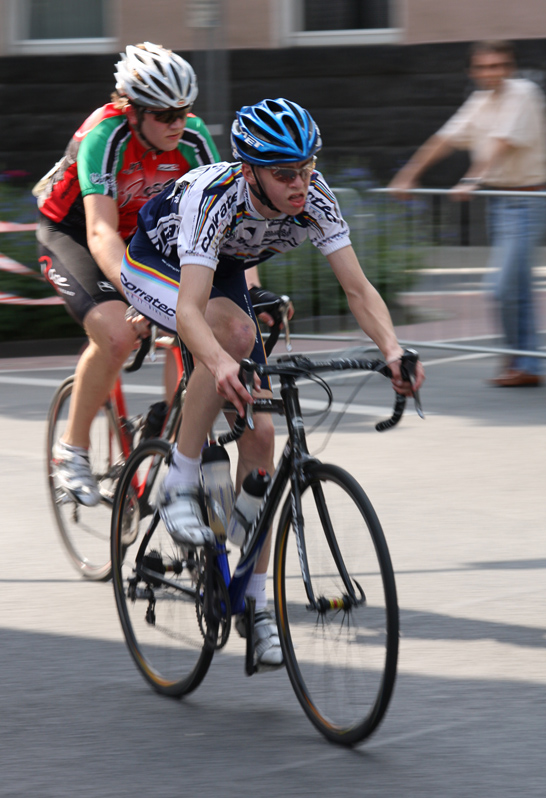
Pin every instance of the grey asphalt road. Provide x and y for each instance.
(461, 499)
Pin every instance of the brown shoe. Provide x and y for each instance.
(512, 378)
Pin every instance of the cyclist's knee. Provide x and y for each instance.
(238, 337)
(234, 330)
(107, 329)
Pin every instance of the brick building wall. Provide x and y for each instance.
(375, 104)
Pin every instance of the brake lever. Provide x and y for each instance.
(284, 315)
(407, 370)
(408, 365)
(153, 337)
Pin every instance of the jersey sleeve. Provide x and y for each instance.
(197, 144)
(98, 156)
(206, 212)
(327, 229)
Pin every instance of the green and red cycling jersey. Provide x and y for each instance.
(105, 157)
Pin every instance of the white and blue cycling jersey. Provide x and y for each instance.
(208, 218)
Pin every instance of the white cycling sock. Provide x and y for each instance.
(256, 589)
(184, 471)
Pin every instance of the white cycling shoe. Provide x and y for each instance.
(180, 511)
(267, 646)
(73, 472)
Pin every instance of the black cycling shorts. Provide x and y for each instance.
(70, 268)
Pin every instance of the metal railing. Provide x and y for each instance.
(445, 301)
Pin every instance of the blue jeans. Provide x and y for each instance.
(517, 225)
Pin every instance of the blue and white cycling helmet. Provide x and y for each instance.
(274, 132)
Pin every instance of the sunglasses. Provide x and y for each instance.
(287, 174)
(168, 116)
(496, 65)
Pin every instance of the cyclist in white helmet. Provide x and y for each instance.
(184, 269)
(124, 153)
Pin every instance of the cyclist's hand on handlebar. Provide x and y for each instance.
(268, 305)
(229, 385)
(138, 322)
(401, 385)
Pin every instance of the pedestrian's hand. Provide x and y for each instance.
(402, 186)
(462, 192)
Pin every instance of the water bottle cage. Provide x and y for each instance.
(217, 509)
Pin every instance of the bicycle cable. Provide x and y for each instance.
(338, 418)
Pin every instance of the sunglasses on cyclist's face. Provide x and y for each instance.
(287, 174)
(169, 115)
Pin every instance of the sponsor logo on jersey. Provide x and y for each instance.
(104, 285)
(139, 293)
(214, 220)
(133, 167)
(323, 207)
(167, 167)
(101, 180)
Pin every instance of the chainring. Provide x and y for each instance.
(221, 597)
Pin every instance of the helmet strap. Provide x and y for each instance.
(259, 192)
(138, 127)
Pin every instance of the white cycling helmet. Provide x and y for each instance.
(153, 77)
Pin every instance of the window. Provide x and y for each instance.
(65, 19)
(62, 26)
(346, 14)
(323, 22)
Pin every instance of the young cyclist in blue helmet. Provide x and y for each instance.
(185, 268)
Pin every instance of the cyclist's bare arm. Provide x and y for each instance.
(193, 295)
(372, 314)
(105, 243)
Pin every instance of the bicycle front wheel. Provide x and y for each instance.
(341, 658)
(158, 585)
(84, 530)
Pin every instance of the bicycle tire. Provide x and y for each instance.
(341, 663)
(84, 531)
(160, 620)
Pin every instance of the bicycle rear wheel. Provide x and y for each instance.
(157, 585)
(85, 531)
(342, 659)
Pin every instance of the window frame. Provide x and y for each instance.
(292, 35)
(20, 44)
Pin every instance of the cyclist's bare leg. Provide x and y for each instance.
(256, 450)
(170, 375)
(235, 331)
(111, 340)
